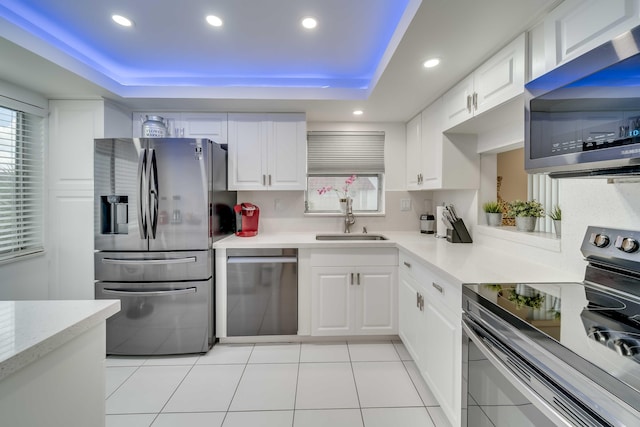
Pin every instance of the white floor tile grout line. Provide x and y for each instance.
(253, 347)
(355, 383)
(295, 396)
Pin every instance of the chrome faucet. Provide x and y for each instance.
(349, 219)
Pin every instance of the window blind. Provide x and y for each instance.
(21, 183)
(345, 152)
(545, 190)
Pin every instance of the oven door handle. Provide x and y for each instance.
(515, 372)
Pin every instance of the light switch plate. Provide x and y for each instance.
(405, 204)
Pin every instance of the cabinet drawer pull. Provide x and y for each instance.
(421, 303)
(351, 279)
(269, 179)
(417, 299)
(406, 264)
(438, 287)
(358, 279)
(264, 180)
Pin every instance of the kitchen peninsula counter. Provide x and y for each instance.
(465, 263)
(52, 362)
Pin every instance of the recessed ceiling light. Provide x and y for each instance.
(309, 23)
(358, 112)
(214, 21)
(121, 20)
(430, 63)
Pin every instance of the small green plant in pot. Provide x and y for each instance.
(526, 214)
(493, 211)
(556, 216)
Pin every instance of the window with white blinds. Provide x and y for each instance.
(21, 183)
(345, 164)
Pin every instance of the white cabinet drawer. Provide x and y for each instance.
(354, 256)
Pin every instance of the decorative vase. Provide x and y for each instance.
(557, 227)
(343, 205)
(494, 219)
(526, 223)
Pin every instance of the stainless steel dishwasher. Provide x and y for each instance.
(262, 292)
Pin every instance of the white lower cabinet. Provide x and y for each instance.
(352, 299)
(430, 328)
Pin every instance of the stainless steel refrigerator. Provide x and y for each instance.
(160, 203)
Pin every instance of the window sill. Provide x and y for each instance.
(24, 257)
(537, 239)
(335, 214)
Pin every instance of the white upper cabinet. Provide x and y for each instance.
(436, 161)
(414, 153)
(212, 126)
(577, 26)
(267, 151)
(496, 81)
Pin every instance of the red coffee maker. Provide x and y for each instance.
(247, 216)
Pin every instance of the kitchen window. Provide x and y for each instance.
(333, 159)
(21, 183)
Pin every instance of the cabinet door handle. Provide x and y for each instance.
(269, 179)
(475, 100)
(406, 264)
(469, 103)
(351, 279)
(438, 287)
(264, 180)
(421, 303)
(358, 279)
(417, 299)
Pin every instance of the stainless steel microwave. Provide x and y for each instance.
(582, 119)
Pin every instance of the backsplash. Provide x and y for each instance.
(284, 211)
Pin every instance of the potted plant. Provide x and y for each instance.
(526, 214)
(493, 210)
(556, 216)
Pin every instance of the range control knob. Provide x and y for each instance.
(625, 348)
(626, 244)
(599, 240)
(599, 334)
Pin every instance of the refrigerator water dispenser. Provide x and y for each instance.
(114, 214)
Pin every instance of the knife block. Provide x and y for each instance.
(459, 233)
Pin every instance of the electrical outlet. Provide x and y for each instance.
(405, 204)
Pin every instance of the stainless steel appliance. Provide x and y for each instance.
(583, 118)
(562, 354)
(159, 205)
(262, 292)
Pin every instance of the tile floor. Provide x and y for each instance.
(339, 384)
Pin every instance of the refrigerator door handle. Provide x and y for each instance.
(152, 175)
(142, 215)
(118, 261)
(125, 293)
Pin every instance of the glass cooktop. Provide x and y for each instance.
(599, 324)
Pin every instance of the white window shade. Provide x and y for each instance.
(21, 183)
(345, 153)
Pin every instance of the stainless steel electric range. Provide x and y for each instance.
(557, 353)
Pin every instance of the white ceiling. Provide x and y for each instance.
(364, 54)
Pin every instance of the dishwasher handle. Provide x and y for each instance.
(261, 260)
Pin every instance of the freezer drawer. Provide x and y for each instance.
(153, 266)
(159, 318)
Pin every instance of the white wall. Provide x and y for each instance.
(28, 278)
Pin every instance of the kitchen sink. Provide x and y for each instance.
(346, 236)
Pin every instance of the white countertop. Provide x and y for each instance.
(463, 262)
(31, 329)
